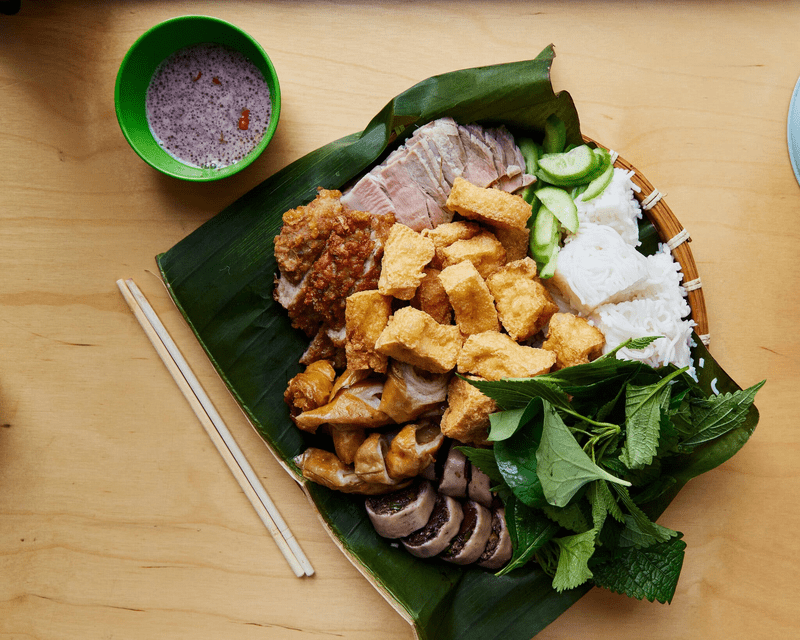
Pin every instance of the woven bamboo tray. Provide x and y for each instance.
(675, 236)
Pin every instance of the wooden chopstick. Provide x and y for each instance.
(215, 427)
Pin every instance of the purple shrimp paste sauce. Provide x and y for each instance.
(208, 105)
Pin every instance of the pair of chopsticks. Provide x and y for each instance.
(215, 427)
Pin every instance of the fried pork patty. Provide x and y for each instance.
(325, 252)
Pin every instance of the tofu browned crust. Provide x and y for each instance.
(493, 355)
(470, 297)
(466, 418)
(432, 298)
(483, 250)
(446, 234)
(524, 305)
(573, 340)
(366, 315)
(405, 255)
(414, 337)
(515, 241)
(492, 206)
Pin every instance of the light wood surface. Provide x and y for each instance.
(118, 518)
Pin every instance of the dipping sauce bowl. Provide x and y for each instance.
(146, 56)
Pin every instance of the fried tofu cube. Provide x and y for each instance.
(493, 356)
(444, 235)
(483, 250)
(405, 255)
(432, 298)
(515, 241)
(472, 302)
(492, 206)
(573, 340)
(524, 305)
(466, 418)
(366, 316)
(414, 337)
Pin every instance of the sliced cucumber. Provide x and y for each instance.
(573, 166)
(599, 184)
(561, 204)
(555, 134)
(549, 267)
(545, 229)
(531, 152)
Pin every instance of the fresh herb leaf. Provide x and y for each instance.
(630, 343)
(570, 517)
(650, 573)
(643, 408)
(529, 529)
(642, 531)
(485, 460)
(573, 560)
(719, 415)
(504, 424)
(513, 393)
(563, 467)
(603, 504)
(516, 461)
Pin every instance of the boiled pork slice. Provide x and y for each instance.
(413, 182)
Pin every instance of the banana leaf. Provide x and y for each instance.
(221, 278)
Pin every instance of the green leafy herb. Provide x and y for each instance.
(565, 439)
(563, 466)
(650, 572)
(573, 560)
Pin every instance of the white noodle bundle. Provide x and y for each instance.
(596, 266)
(616, 207)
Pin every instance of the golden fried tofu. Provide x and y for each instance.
(492, 206)
(493, 355)
(405, 255)
(515, 241)
(431, 297)
(446, 234)
(366, 315)
(414, 337)
(524, 305)
(573, 340)
(483, 250)
(472, 302)
(467, 416)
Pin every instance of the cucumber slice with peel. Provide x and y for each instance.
(545, 229)
(561, 204)
(599, 184)
(573, 166)
(549, 267)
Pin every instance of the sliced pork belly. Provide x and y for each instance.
(479, 168)
(368, 194)
(415, 179)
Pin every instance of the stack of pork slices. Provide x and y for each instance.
(413, 182)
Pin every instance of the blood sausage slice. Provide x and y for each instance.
(400, 513)
(498, 548)
(436, 535)
(470, 541)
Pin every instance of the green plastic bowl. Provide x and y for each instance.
(137, 69)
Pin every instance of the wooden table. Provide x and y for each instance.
(117, 516)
